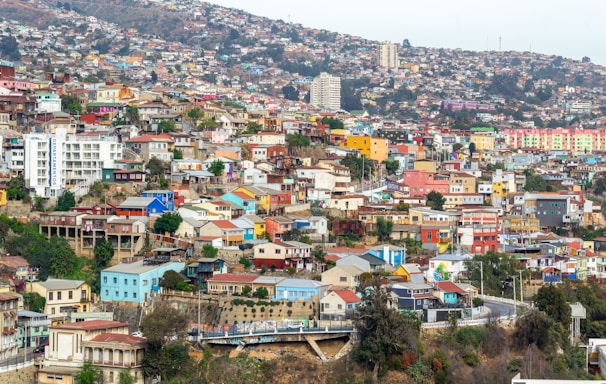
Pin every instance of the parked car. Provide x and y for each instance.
(296, 324)
(40, 347)
(137, 334)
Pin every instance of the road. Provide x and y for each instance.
(19, 358)
(498, 309)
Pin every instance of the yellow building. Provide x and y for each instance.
(2, 197)
(464, 180)
(259, 226)
(484, 141)
(62, 297)
(425, 165)
(371, 147)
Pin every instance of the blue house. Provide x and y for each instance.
(134, 207)
(293, 289)
(414, 297)
(242, 200)
(166, 197)
(449, 293)
(247, 226)
(202, 270)
(389, 253)
(134, 282)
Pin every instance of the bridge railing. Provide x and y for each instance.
(273, 331)
(503, 300)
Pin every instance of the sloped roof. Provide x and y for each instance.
(118, 338)
(92, 325)
(348, 296)
(449, 286)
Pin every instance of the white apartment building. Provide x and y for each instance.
(388, 55)
(326, 91)
(54, 161)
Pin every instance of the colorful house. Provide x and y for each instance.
(414, 297)
(249, 228)
(203, 269)
(165, 196)
(277, 226)
(243, 200)
(449, 293)
(140, 207)
(338, 305)
(411, 273)
(295, 289)
(259, 225)
(370, 147)
(390, 254)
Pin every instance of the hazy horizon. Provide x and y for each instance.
(548, 27)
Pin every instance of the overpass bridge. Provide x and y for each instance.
(241, 339)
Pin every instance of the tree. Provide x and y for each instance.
(472, 148)
(497, 271)
(168, 222)
(195, 115)
(177, 154)
(125, 377)
(383, 331)
(97, 188)
(552, 300)
(333, 122)
(216, 167)
(66, 201)
(245, 261)
(62, 257)
(246, 290)
(262, 293)
(297, 140)
(132, 115)
(402, 207)
(456, 147)
(103, 251)
(154, 76)
(9, 48)
(209, 251)
(391, 166)
(70, 104)
(535, 183)
(254, 127)
(166, 126)
(34, 301)
(16, 189)
(384, 228)
(533, 328)
(165, 322)
(156, 167)
(171, 279)
(290, 92)
(358, 166)
(435, 200)
(88, 374)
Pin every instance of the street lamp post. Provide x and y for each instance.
(482, 277)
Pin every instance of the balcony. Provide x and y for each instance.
(84, 299)
(444, 240)
(109, 363)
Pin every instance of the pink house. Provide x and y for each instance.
(17, 85)
(422, 182)
(219, 136)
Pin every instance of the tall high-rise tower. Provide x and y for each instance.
(388, 55)
(326, 91)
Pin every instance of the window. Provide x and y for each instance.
(154, 281)
(278, 251)
(261, 250)
(70, 295)
(107, 292)
(117, 294)
(339, 306)
(58, 295)
(125, 294)
(125, 281)
(115, 280)
(134, 295)
(343, 278)
(50, 296)
(105, 279)
(134, 282)
(144, 283)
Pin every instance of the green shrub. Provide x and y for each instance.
(471, 359)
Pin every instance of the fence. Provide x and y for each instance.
(14, 367)
(504, 301)
(467, 323)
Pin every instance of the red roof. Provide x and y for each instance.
(348, 296)
(449, 286)
(14, 261)
(118, 338)
(150, 138)
(242, 195)
(91, 325)
(348, 250)
(332, 258)
(224, 224)
(233, 278)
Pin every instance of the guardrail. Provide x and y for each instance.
(13, 367)
(504, 300)
(274, 331)
(466, 323)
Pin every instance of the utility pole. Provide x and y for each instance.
(521, 287)
(198, 326)
(482, 278)
(515, 305)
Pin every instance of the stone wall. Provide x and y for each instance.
(20, 376)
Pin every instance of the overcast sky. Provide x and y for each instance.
(571, 29)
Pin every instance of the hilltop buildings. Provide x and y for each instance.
(325, 91)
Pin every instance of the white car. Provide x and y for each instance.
(296, 324)
(137, 334)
